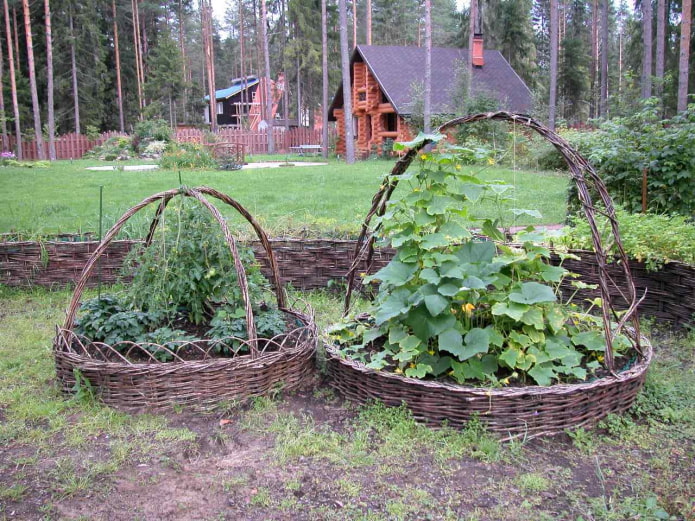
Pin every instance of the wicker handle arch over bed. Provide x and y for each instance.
(196, 193)
(583, 175)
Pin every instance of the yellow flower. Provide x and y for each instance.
(490, 161)
(431, 351)
(423, 156)
(600, 358)
(468, 308)
(458, 167)
(363, 274)
(411, 365)
(398, 370)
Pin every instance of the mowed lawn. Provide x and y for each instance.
(326, 200)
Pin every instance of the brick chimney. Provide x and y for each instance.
(478, 59)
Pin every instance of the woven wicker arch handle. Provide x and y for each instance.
(164, 198)
(580, 170)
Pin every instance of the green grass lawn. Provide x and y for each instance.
(309, 455)
(317, 201)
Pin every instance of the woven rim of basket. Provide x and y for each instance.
(163, 199)
(584, 176)
(82, 349)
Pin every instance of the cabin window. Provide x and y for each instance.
(384, 99)
(220, 107)
(391, 122)
(361, 96)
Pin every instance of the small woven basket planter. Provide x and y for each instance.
(132, 378)
(513, 412)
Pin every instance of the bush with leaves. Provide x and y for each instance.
(150, 130)
(623, 149)
(184, 281)
(187, 155)
(452, 305)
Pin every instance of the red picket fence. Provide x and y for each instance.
(74, 146)
(68, 146)
(255, 142)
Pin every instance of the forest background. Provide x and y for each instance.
(95, 65)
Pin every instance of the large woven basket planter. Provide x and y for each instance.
(133, 378)
(513, 412)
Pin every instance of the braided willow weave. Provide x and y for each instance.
(585, 178)
(198, 378)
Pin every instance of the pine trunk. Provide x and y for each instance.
(354, 23)
(347, 92)
(13, 83)
(49, 87)
(268, 89)
(647, 48)
(138, 56)
(554, 41)
(117, 52)
(73, 66)
(660, 46)
(3, 116)
(472, 26)
(36, 107)
(603, 101)
(684, 58)
(369, 22)
(427, 109)
(324, 78)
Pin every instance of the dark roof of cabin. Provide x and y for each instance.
(398, 68)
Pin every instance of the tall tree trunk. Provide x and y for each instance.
(603, 101)
(243, 109)
(138, 56)
(347, 92)
(13, 82)
(3, 115)
(684, 57)
(593, 74)
(206, 16)
(299, 91)
(472, 28)
(324, 79)
(73, 66)
(354, 23)
(369, 22)
(647, 48)
(49, 87)
(36, 108)
(268, 89)
(554, 42)
(119, 86)
(427, 109)
(660, 46)
(18, 64)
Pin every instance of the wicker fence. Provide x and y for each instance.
(311, 264)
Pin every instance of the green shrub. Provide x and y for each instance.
(112, 149)
(652, 239)
(623, 148)
(187, 155)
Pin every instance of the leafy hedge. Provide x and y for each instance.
(625, 147)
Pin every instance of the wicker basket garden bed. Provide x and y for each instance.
(514, 412)
(139, 374)
(424, 307)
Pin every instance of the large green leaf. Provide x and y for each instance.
(534, 317)
(509, 357)
(419, 140)
(419, 371)
(477, 341)
(592, 340)
(395, 272)
(542, 373)
(448, 289)
(532, 293)
(392, 306)
(451, 341)
(436, 304)
(426, 326)
(476, 251)
(441, 204)
(434, 240)
(512, 310)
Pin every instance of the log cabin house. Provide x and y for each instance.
(384, 79)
